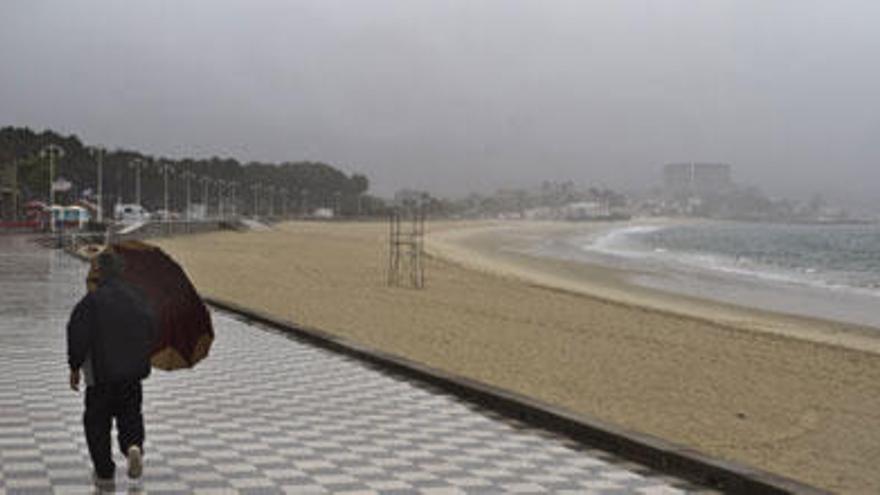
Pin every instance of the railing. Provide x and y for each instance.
(152, 229)
(73, 240)
(20, 226)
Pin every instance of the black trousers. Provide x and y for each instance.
(107, 401)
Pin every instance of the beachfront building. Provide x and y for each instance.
(585, 210)
(697, 189)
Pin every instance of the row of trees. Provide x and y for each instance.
(294, 187)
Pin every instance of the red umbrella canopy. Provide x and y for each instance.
(185, 329)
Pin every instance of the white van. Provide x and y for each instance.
(130, 213)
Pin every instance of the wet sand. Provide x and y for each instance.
(500, 248)
(795, 396)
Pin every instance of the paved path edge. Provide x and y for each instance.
(656, 453)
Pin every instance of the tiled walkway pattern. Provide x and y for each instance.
(267, 414)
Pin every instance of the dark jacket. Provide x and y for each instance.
(116, 327)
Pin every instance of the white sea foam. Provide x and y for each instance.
(742, 264)
(625, 244)
(619, 242)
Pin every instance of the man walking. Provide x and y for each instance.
(109, 337)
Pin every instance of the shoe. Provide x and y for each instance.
(135, 462)
(104, 484)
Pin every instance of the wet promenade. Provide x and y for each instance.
(266, 414)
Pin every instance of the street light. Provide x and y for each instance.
(232, 185)
(165, 167)
(52, 152)
(256, 189)
(205, 182)
(187, 176)
(283, 192)
(98, 153)
(304, 207)
(220, 210)
(137, 164)
(271, 190)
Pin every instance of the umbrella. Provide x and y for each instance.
(185, 329)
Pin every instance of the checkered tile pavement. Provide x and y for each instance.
(268, 414)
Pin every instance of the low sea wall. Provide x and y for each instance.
(73, 240)
(164, 229)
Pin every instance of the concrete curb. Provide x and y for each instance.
(644, 449)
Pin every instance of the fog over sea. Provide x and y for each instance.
(826, 271)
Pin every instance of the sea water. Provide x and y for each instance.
(832, 256)
(826, 271)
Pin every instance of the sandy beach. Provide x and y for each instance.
(796, 396)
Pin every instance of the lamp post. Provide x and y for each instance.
(303, 198)
(165, 168)
(232, 184)
(271, 190)
(187, 176)
(256, 189)
(220, 203)
(52, 152)
(283, 192)
(137, 164)
(98, 152)
(205, 181)
(234, 202)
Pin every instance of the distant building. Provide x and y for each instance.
(696, 178)
(585, 210)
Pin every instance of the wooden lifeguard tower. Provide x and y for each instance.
(406, 245)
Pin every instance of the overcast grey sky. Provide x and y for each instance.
(465, 95)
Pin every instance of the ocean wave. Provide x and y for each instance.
(635, 244)
(622, 241)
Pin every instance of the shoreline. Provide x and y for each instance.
(801, 408)
(483, 248)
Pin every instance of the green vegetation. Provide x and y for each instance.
(295, 186)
